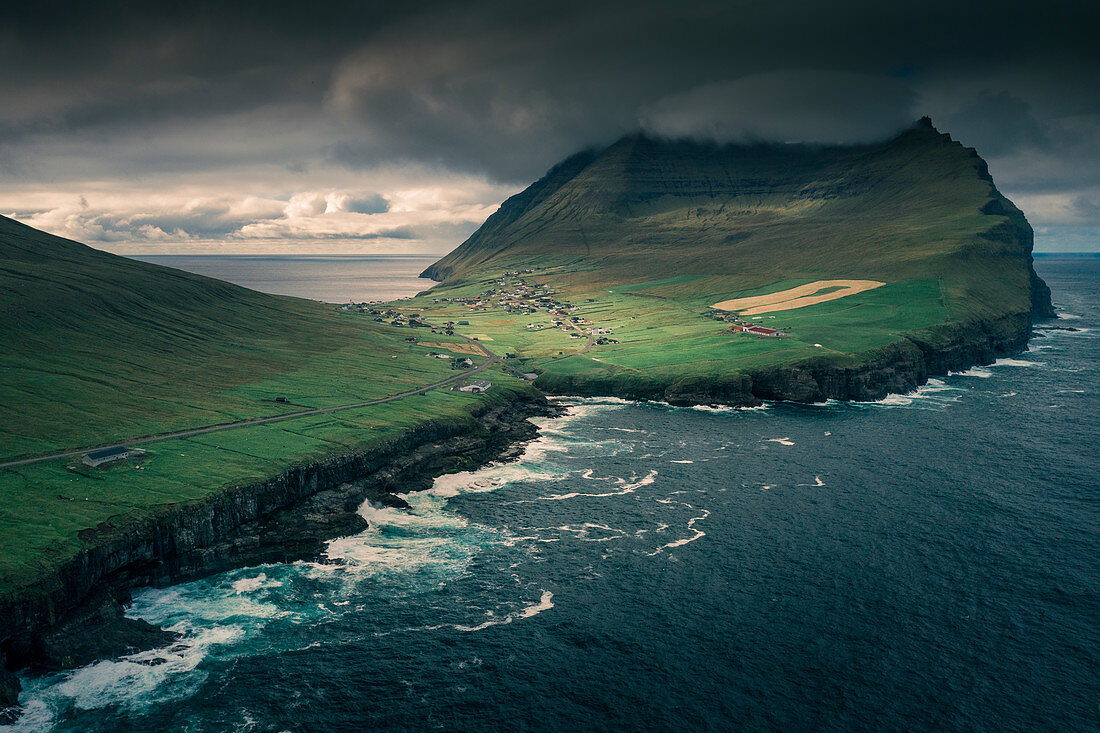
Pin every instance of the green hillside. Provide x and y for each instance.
(100, 349)
(645, 236)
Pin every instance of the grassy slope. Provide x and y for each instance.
(99, 348)
(657, 231)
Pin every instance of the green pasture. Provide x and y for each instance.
(44, 506)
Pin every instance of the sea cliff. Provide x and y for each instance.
(896, 368)
(75, 615)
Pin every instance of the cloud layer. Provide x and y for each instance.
(266, 125)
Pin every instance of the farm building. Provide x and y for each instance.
(108, 455)
(754, 330)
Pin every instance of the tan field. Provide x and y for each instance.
(799, 297)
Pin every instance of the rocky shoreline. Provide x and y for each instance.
(897, 368)
(76, 616)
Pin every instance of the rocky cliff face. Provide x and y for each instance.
(75, 616)
(895, 369)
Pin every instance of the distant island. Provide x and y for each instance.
(157, 426)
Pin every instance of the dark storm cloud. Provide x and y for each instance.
(509, 92)
(505, 89)
(795, 105)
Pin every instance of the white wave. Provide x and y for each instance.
(34, 717)
(681, 461)
(545, 603)
(1068, 331)
(696, 534)
(934, 391)
(817, 482)
(977, 371)
(781, 441)
(248, 585)
(399, 542)
(627, 488)
(494, 476)
(1016, 363)
(587, 532)
(726, 409)
(133, 682)
(211, 601)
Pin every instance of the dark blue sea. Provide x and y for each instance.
(331, 278)
(928, 562)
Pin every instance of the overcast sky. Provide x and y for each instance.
(348, 127)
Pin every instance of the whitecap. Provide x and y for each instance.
(781, 441)
(976, 371)
(681, 461)
(726, 409)
(138, 680)
(627, 488)
(1016, 363)
(696, 534)
(934, 392)
(545, 603)
(247, 585)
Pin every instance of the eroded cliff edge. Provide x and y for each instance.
(897, 368)
(75, 616)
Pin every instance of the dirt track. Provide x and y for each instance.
(798, 297)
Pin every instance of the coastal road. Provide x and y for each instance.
(490, 361)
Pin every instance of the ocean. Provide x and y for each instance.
(925, 562)
(329, 278)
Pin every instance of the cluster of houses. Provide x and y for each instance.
(515, 295)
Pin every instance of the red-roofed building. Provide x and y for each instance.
(755, 330)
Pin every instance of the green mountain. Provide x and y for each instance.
(644, 208)
(657, 231)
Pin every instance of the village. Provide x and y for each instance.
(514, 295)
